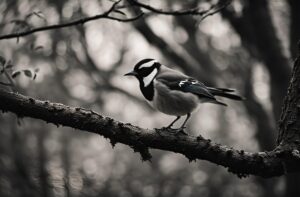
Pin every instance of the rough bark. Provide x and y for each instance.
(265, 164)
(289, 125)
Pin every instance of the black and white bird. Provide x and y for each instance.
(173, 92)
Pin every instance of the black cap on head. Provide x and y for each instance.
(142, 62)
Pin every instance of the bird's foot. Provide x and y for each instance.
(176, 131)
(168, 128)
(163, 129)
(180, 131)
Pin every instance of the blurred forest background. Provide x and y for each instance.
(249, 46)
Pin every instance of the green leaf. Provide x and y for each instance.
(15, 74)
(28, 73)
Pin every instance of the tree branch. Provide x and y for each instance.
(192, 11)
(106, 15)
(5, 84)
(265, 164)
(80, 21)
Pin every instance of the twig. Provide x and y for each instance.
(191, 11)
(5, 84)
(124, 20)
(9, 78)
(80, 21)
(11, 81)
(216, 10)
(105, 15)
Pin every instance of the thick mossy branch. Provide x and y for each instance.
(285, 158)
(265, 164)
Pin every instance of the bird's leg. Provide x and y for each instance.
(180, 129)
(187, 117)
(170, 125)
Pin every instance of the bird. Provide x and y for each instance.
(174, 93)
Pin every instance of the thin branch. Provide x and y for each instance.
(5, 84)
(242, 163)
(127, 19)
(80, 21)
(12, 83)
(192, 11)
(221, 7)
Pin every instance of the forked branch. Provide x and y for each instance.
(107, 15)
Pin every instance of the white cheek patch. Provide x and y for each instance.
(147, 80)
(148, 64)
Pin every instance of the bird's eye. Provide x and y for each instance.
(145, 71)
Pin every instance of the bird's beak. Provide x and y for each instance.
(132, 73)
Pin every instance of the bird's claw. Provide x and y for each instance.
(171, 130)
(159, 130)
(180, 131)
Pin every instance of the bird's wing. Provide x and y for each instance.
(184, 84)
(177, 81)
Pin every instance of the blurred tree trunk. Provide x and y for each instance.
(264, 136)
(21, 180)
(258, 35)
(293, 180)
(294, 26)
(4, 171)
(65, 157)
(45, 185)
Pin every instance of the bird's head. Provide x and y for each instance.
(145, 71)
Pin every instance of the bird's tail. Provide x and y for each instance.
(224, 92)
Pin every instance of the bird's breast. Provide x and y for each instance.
(173, 102)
